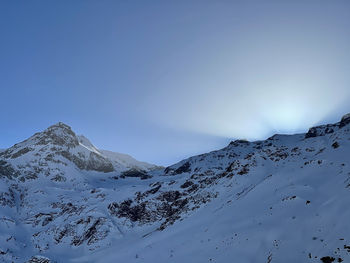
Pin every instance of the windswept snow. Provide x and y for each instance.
(128, 161)
(284, 199)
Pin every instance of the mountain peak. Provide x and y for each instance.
(59, 194)
(345, 119)
(59, 134)
(57, 148)
(60, 125)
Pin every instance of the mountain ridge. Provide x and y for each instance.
(60, 140)
(247, 200)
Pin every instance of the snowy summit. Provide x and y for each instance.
(284, 199)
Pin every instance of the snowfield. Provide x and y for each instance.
(281, 200)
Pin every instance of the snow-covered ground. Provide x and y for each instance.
(284, 199)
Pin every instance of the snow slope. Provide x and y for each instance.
(127, 161)
(284, 199)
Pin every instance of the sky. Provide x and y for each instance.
(165, 80)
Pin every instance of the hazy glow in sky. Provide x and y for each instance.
(163, 80)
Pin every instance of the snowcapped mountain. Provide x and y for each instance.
(57, 149)
(284, 199)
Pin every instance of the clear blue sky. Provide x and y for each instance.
(163, 80)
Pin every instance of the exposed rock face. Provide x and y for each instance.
(39, 259)
(165, 207)
(59, 134)
(320, 131)
(46, 186)
(135, 173)
(94, 162)
(6, 170)
(329, 128)
(239, 158)
(184, 168)
(59, 192)
(47, 154)
(46, 150)
(345, 120)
